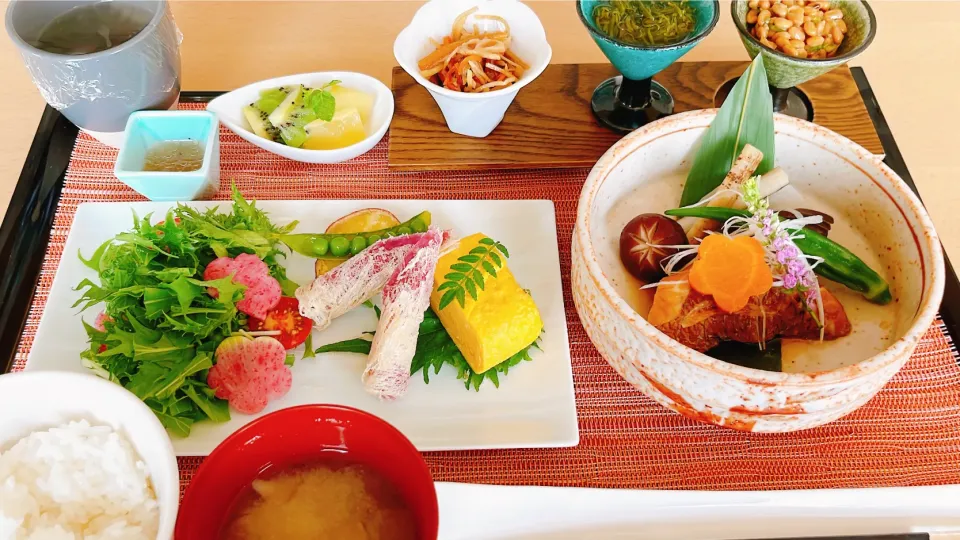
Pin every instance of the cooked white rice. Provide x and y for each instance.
(76, 481)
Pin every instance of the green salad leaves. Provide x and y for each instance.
(160, 325)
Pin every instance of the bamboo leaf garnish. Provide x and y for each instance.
(467, 277)
(745, 117)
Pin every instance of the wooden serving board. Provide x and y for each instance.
(550, 124)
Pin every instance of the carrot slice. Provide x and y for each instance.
(442, 52)
(731, 270)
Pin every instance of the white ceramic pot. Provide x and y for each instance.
(228, 109)
(475, 115)
(877, 217)
(39, 400)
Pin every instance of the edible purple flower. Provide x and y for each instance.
(788, 264)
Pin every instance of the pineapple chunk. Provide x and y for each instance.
(502, 321)
(349, 98)
(344, 129)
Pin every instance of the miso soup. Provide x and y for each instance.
(325, 500)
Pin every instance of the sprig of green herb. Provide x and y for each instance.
(467, 275)
(322, 101)
(435, 348)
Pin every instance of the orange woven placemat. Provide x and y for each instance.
(908, 435)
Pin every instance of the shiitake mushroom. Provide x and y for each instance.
(643, 245)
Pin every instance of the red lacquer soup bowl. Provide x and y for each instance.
(299, 435)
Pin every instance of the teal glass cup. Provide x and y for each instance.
(626, 102)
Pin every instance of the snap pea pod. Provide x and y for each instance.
(839, 263)
(349, 244)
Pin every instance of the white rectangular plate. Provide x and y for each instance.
(533, 408)
(547, 513)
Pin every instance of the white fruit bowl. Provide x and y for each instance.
(45, 399)
(474, 115)
(877, 217)
(228, 109)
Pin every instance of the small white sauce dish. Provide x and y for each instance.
(40, 400)
(474, 115)
(228, 109)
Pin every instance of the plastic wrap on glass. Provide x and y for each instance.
(98, 91)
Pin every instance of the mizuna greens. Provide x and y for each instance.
(161, 327)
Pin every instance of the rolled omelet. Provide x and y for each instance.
(501, 322)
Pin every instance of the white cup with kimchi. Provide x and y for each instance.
(473, 56)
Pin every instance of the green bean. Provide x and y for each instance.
(839, 263)
(343, 245)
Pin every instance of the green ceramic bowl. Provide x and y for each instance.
(638, 62)
(785, 71)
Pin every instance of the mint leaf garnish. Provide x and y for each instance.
(322, 102)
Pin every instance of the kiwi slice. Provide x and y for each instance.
(259, 124)
(292, 135)
(301, 117)
(292, 129)
(281, 114)
(271, 99)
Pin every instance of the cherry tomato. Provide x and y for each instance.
(294, 328)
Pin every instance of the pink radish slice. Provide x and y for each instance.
(250, 372)
(263, 291)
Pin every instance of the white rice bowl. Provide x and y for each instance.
(76, 481)
(82, 458)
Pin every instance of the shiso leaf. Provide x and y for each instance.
(435, 348)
